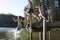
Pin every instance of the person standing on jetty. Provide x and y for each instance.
(49, 11)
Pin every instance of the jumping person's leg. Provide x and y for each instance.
(27, 27)
(27, 13)
(36, 16)
(42, 16)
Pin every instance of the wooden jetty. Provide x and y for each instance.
(39, 26)
(44, 27)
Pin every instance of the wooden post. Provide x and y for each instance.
(49, 35)
(40, 35)
(30, 28)
(44, 29)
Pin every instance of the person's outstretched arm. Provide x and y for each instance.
(14, 19)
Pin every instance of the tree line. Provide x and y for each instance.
(7, 21)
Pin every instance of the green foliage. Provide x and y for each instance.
(35, 3)
(25, 20)
(33, 19)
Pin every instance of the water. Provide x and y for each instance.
(10, 34)
(7, 33)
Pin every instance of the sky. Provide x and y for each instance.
(15, 7)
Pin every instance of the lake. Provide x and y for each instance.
(9, 34)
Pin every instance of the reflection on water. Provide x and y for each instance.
(9, 34)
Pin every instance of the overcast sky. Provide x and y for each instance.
(15, 7)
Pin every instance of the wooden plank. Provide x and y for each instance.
(54, 24)
(49, 25)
